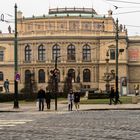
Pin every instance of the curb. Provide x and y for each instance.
(102, 109)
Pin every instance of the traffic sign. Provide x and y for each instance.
(17, 77)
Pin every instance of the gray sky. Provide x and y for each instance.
(40, 7)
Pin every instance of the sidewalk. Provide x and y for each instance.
(31, 107)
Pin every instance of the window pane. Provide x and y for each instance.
(86, 75)
(56, 52)
(27, 53)
(112, 54)
(41, 77)
(86, 53)
(41, 53)
(71, 52)
(1, 55)
(27, 76)
(1, 76)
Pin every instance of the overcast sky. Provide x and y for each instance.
(40, 7)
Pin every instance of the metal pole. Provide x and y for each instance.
(107, 75)
(116, 79)
(56, 84)
(16, 105)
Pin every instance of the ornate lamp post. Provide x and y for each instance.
(107, 73)
(55, 80)
(16, 105)
(108, 76)
(117, 55)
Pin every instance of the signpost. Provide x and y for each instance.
(17, 77)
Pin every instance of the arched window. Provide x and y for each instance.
(27, 53)
(27, 76)
(41, 53)
(56, 51)
(112, 54)
(71, 52)
(86, 75)
(1, 76)
(71, 73)
(41, 76)
(86, 53)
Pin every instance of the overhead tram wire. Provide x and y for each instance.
(123, 1)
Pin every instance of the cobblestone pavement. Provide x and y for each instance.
(73, 125)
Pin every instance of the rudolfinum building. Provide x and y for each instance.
(84, 44)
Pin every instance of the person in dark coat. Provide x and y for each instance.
(77, 100)
(111, 96)
(48, 99)
(41, 97)
(117, 100)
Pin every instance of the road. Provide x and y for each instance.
(73, 125)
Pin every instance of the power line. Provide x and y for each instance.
(123, 1)
(129, 12)
(133, 26)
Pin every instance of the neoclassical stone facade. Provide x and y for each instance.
(78, 37)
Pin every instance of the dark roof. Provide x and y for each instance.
(72, 11)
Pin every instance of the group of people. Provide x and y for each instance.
(73, 98)
(43, 96)
(114, 98)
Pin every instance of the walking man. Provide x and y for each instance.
(48, 99)
(41, 97)
(77, 100)
(111, 96)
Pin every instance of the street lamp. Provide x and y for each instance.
(107, 72)
(108, 76)
(16, 105)
(117, 55)
(55, 76)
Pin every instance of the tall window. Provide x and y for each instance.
(86, 53)
(41, 53)
(27, 76)
(1, 76)
(86, 75)
(71, 52)
(41, 76)
(71, 73)
(1, 55)
(112, 54)
(27, 53)
(56, 51)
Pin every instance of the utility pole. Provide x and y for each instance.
(116, 78)
(56, 82)
(16, 105)
(107, 73)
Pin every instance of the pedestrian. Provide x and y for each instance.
(111, 96)
(70, 100)
(77, 100)
(48, 99)
(6, 85)
(41, 97)
(117, 100)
